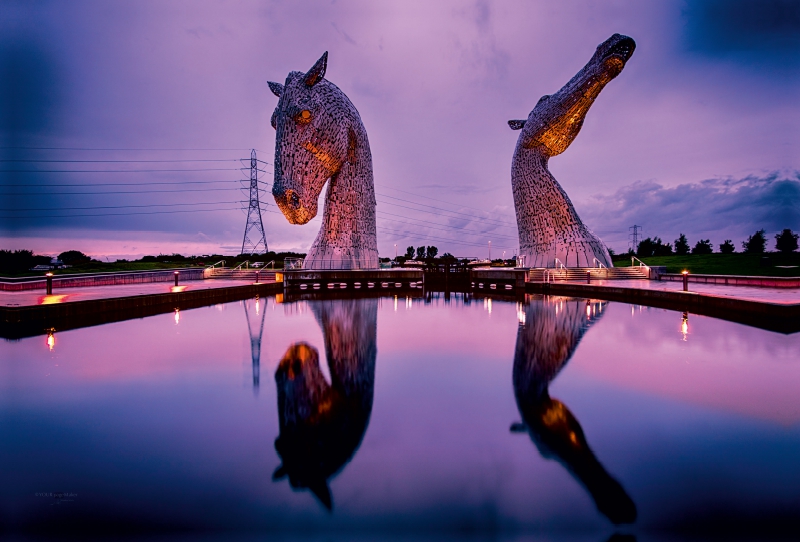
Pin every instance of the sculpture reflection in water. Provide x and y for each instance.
(322, 424)
(548, 335)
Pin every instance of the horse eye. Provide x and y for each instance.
(303, 117)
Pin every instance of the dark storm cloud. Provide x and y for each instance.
(716, 208)
(730, 27)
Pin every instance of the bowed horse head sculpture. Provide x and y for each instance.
(545, 343)
(322, 424)
(320, 137)
(549, 228)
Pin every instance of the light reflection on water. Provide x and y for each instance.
(389, 413)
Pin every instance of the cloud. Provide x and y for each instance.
(723, 208)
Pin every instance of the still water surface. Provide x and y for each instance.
(555, 415)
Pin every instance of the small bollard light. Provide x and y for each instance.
(588, 277)
(685, 281)
(257, 276)
(49, 283)
(176, 278)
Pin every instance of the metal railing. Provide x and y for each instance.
(641, 263)
(599, 263)
(246, 263)
(221, 263)
(292, 263)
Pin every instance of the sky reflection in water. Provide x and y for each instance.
(556, 414)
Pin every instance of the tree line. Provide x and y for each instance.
(785, 242)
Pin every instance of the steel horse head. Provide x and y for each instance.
(320, 137)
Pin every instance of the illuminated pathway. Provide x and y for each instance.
(65, 295)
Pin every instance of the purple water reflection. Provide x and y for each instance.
(154, 423)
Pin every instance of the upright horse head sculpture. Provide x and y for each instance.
(548, 225)
(545, 343)
(321, 424)
(320, 136)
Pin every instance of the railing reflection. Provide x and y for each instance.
(322, 424)
(548, 334)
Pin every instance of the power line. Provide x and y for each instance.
(449, 228)
(112, 149)
(117, 192)
(120, 161)
(118, 206)
(499, 223)
(125, 214)
(434, 199)
(122, 184)
(110, 170)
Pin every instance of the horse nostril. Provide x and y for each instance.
(292, 199)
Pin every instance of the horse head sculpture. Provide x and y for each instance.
(322, 424)
(548, 225)
(545, 343)
(320, 137)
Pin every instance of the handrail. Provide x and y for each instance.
(293, 263)
(213, 265)
(560, 264)
(599, 263)
(641, 263)
(239, 267)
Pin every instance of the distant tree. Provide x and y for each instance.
(645, 248)
(611, 252)
(432, 252)
(421, 253)
(74, 257)
(786, 241)
(661, 249)
(681, 245)
(756, 243)
(727, 247)
(410, 253)
(653, 247)
(703, 246)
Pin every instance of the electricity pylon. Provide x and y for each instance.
(254, 242)
(255, 341)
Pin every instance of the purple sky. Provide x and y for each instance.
(699, 134)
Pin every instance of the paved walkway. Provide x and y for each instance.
(66, 295)
(770, 295)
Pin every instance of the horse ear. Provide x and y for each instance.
(317, 71)
(516, 124)
(279, 473)
(321, 490)
(518, 427)
(276, 88)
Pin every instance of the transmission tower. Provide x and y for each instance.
(256, 333)
(637, 230)
(254, 242)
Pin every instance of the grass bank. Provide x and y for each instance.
(763, 265)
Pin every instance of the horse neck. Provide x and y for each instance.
(538, 194)
(350, 200)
